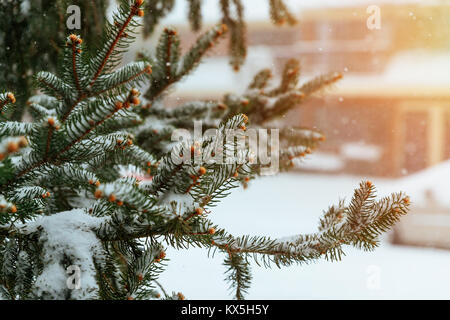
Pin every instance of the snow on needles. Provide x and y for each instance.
(67, 236)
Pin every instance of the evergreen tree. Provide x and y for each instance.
(71, 197)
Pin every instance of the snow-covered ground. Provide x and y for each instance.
(292, 203)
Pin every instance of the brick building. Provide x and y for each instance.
(389, 116)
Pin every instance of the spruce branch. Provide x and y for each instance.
(95, 183)
(76, 51)
(121, 29)
(53, 85)
(238, 275)
(337, 227)
(280, 14)
(195, 14)
(127, 77)
(232, 16)
(156, 10)
(7, 98)
(169, 67)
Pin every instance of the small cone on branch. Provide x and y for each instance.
(23, 142)
(12, 147)
(73, 38)
(135, 101)
(98, 194)
(148, 69)
(119, 105)
(11, 97)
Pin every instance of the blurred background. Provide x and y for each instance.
(388, 120)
